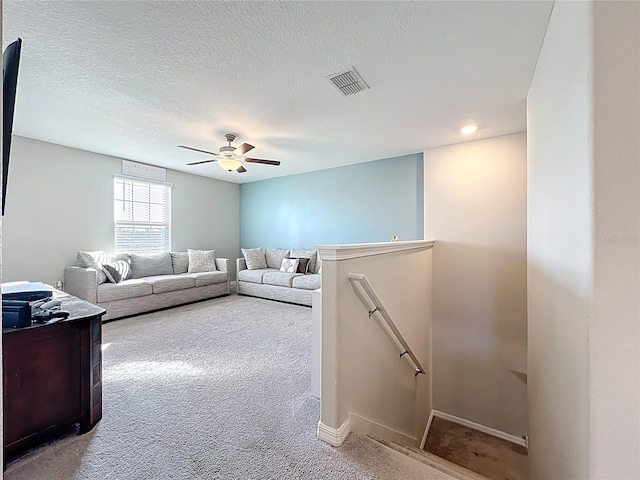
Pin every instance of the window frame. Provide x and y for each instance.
(144, 227)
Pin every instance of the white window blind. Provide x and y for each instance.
(142, 215)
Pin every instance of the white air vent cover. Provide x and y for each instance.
(348, 82)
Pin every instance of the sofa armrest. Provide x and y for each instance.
(241, 264)
(82, 283)
(222, 264)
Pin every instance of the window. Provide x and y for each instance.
(142, 215)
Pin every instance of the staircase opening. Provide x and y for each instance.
(479, 452)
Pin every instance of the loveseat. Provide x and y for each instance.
(271, 274)
(129, 284)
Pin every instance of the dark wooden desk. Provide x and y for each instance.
(52, 375)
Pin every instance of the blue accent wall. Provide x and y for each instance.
(361, 203)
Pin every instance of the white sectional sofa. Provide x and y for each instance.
(263, 277)
(155, 281)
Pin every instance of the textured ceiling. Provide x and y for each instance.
(136, 79)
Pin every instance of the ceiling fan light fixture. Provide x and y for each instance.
(469, 129)
(230, 158)
(229, 163)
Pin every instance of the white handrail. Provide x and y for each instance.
(362, 280)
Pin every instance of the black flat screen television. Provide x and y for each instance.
(10, 64)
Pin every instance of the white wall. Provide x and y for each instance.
(475, 210)
(583, 124)
(60, 200)
(559, 247)
(614, 337)
(362, 372)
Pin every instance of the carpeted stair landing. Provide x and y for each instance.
(213, 390)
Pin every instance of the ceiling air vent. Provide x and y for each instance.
(348, 82)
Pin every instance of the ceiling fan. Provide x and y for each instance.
(231, 158)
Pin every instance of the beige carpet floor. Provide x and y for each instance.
(487, 455)
(212, 390)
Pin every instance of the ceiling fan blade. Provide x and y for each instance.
(197, 150)
(203, 161)
(244, 148)
(260, 160)
(241, 169)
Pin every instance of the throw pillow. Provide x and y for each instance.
(254, 258)
(310, 254)
(289, 265)
(125, 257)
(303, 264)
(119, 256)
(201, 261)
(117, 271)
(274, 257)
(151, 264)
(94, 260)
(180, 262)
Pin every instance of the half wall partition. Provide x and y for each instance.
(368, 383)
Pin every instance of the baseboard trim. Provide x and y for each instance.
(332, 436)
(481, 428)
(365, 426)
(426, 431)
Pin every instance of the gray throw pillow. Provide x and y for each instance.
(117, 271)
(125, 257)
(151, 264)
(274, 257)
(94, 260)
(303, 264)
(254, 258)
(201, 261)
(120, 256)
(180, 262)
(312, 255)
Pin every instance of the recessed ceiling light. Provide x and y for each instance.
(469, 129)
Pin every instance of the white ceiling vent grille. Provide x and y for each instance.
(348, 82)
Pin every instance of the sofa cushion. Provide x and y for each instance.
(180, 262)
(117, 271)
(201, 260)
(95, 260)
(281, 279)
(151, 264)
(253, 276)
(110, 292)
(255, 258)
(310, 254)
(209, 278)
(170, 283)
(274, 257)
(312, 281)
